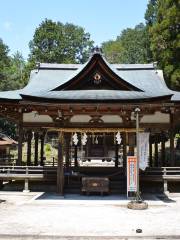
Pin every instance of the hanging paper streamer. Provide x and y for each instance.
(118, 138)
(75, 139)
(84, 139)
(96, 140)
(143, 150)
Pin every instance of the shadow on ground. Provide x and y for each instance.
(96, 197)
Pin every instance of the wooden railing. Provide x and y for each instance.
(162, 174)
(162, 171)
(26, 173)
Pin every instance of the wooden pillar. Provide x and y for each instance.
(172, 153)
(124, 152)
(116, 155)
(67, 151)
(20, 144)
(29, 138)
(150, 152)
(131, 151)
(156, 152)
(36, 138)
(42, 149)
(163, 162)
(75, 156)
(60, 167)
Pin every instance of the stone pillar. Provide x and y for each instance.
(60, 167)
(36, 139)
(20, 144)
(29, 138)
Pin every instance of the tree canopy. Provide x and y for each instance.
(55, 42)
(163, 20)
(151, 12)
(4, 64)
(131, 46)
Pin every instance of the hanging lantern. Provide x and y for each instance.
(75, 138)
(118, 138)
(84, 139)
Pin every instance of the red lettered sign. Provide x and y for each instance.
(131, 174)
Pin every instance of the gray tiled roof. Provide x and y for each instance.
(95, 95)
(50, 76)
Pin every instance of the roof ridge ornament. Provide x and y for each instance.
(155, 65)
(97, 50)
(38, 64)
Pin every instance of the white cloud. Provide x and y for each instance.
(7, 25)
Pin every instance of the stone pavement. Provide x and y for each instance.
(48, 216)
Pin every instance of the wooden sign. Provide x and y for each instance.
(131, 174)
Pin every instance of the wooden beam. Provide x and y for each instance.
(96, 130)
(60, 167)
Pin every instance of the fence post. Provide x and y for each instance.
(26, 182)
(165, 182)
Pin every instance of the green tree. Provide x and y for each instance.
(113, 51)
(151, 12)
(131, 46)
(4, 64)
(165, 39)
(8, 128)
(16, 72)
(54, 42)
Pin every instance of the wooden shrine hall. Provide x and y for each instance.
(91, 108)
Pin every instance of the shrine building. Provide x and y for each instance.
(91, 109)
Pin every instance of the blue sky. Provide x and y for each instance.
(103, 19)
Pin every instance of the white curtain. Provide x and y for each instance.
(143, 150)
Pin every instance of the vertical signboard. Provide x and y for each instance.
(131, 174)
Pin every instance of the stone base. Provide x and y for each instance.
(26, 191)
(166, 193)
(137, 205)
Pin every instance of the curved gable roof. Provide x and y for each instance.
(135, 77)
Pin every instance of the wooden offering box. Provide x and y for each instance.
(95, 184)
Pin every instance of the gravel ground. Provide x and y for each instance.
(47, 216)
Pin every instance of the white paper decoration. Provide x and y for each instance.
(118, 138)
(84, 139)
(75, 138)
